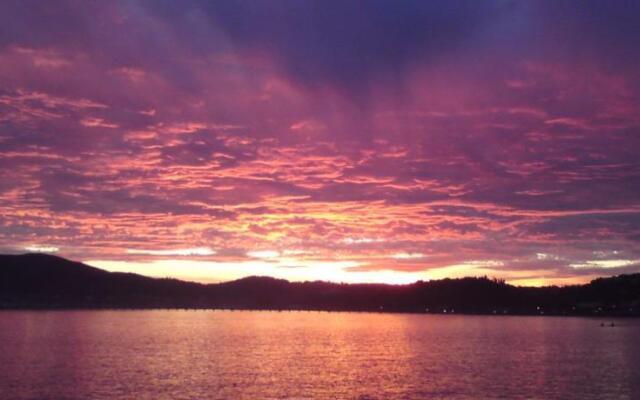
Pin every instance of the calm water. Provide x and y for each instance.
(271, 355)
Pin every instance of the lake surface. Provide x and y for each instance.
(317, 355)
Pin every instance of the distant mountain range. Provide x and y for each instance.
(38, 281)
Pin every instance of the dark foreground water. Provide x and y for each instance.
(316, 355)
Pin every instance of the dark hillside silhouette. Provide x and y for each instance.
(37, 281)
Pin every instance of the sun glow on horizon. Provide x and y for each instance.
(284, 268)
(346, 271)
(295, 270)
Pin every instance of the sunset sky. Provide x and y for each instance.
(352, 141)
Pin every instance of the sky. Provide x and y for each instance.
(350, 141)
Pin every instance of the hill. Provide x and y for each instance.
(38, 281)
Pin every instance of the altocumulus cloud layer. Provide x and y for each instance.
(344, 140)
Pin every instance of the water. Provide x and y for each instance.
(315, 355)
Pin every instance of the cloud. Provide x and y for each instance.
(408, 139)
(606, 264)
(407, 256)
(263, 254)
(194, 251)
(42, 249)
